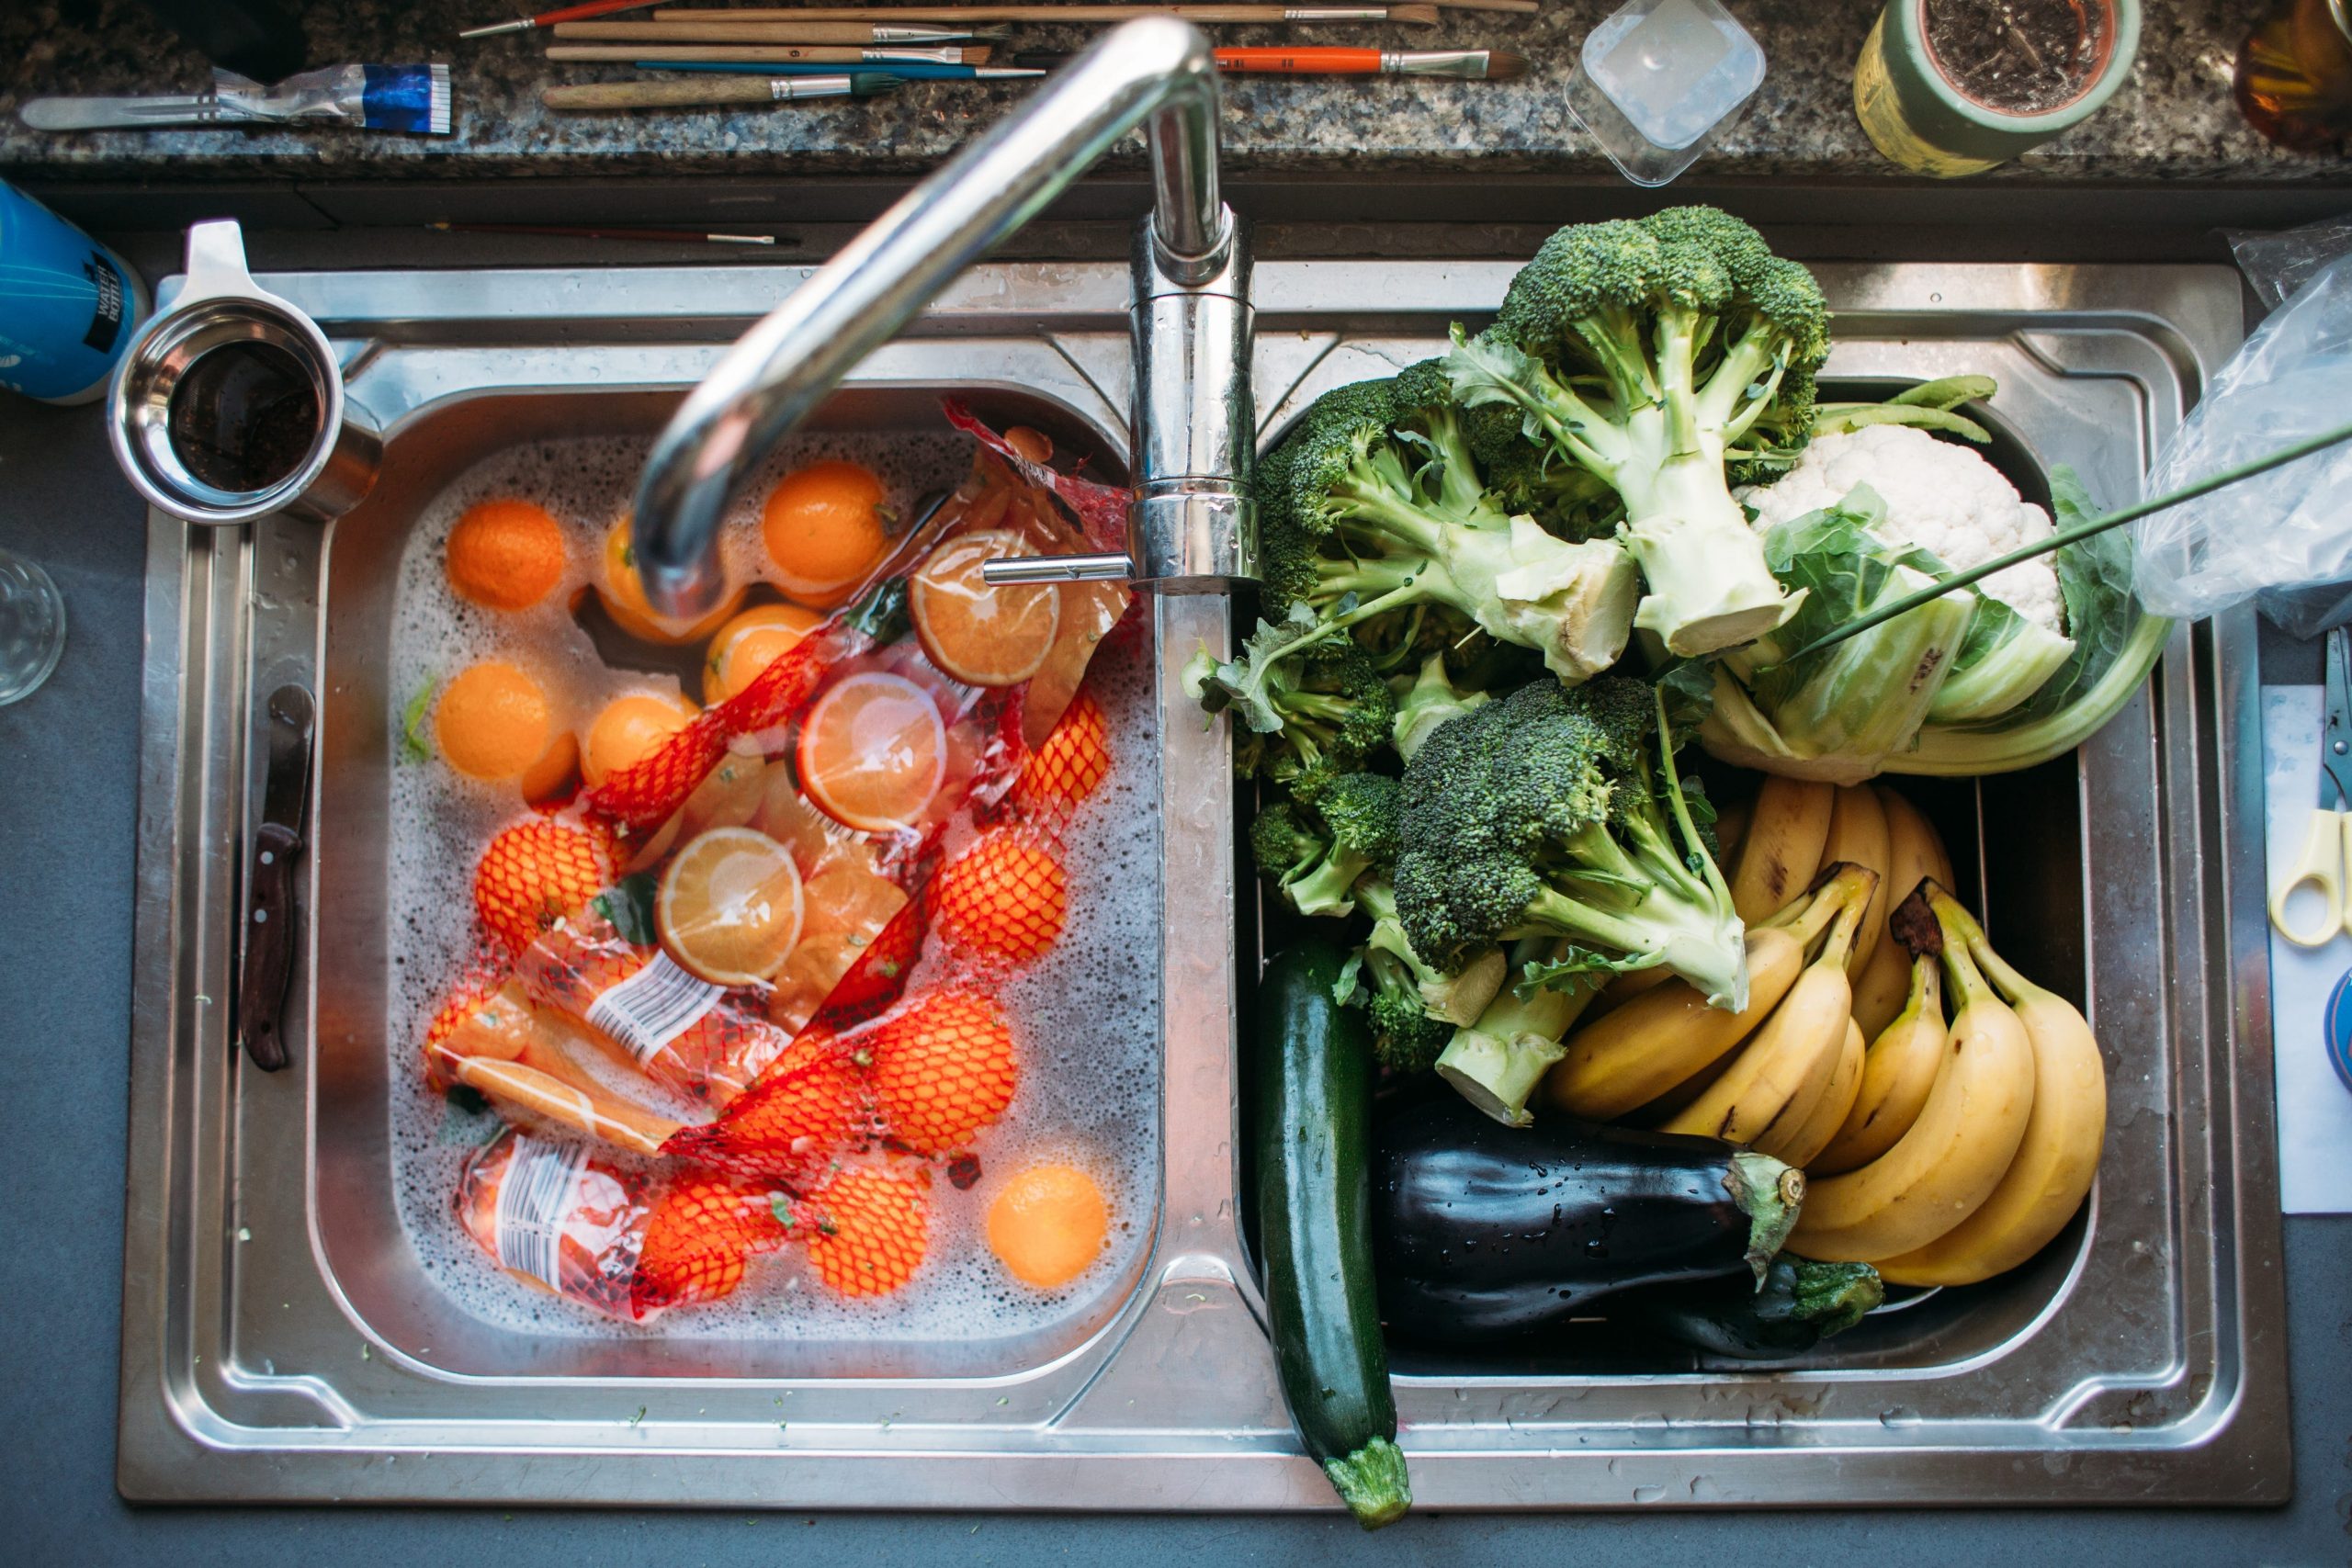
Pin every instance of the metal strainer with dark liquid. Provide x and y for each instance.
(230, 404)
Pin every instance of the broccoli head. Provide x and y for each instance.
(1650, 355)
(1404, 1036)
(1315, 853)
(1372, 509)
(1545, 814)
(1336, 710)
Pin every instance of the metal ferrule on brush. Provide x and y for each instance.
(785, 89)
(883, 34)
(1470, 64)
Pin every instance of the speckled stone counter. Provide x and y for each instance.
(2175, 121)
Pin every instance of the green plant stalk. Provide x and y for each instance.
(2065, 536)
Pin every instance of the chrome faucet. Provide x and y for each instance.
(1191, 524)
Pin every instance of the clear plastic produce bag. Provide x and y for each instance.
(2285, 535)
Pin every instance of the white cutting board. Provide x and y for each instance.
(2314, 1108)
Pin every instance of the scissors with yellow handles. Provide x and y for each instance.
(2325, 866)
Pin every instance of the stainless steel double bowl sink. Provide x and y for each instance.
(280, 1340)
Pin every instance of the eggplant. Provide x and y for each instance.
(1484, 1230)
(1800, 1304)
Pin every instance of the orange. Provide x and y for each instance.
(746, 645)
(873, 751)
(630, 729)
(1071, 765)
(508, 555)
(493, 721)
(986, 636)
(826, 528)
(1005, 898)
(533, 873)
(941, 1070)
(549, 780)
(1048, 1224)
(866, 1231)
(624, 596)
(728, 908)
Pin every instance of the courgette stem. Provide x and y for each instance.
(1372, 1483)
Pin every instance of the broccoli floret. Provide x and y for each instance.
(1315, 853)
(1650, 354)
(1405, 1037)
(1541, 814)
(1455, 998)
(1336, 711)
(1430, 701)
(1373, 508)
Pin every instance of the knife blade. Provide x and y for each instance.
(269, 886)
(121, 114)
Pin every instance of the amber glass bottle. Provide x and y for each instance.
(2294, 77)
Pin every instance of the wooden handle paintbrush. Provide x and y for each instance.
(767, 53)
(764, 32)
(744, 26)
(950, 12)
(717, 92)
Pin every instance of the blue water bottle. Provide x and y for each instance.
(67, 304)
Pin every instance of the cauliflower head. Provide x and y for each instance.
(1939, 496)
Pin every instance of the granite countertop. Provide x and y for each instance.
(2174, 121)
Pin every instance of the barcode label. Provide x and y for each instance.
(539, 1191)
(654, 1007)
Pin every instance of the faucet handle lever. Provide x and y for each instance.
(1008, 570)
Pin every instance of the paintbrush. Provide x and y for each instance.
(911, 69)
(1043, 13)
(574, 232)
(742, 26)
(718, 92)
(764, 32)
(1464, 64)
(549, 18)
(768, 53)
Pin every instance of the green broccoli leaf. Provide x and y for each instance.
(1577, 970)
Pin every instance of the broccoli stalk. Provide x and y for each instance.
(1373, 508)
(1539, 814)
(1652, 355)
(1427, 703)
(1497, 1062)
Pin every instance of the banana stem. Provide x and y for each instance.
(1959, 966)
(1859, 883)
(2012, 986)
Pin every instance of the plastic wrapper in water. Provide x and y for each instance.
(2285, 534)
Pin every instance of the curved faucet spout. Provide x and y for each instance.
(1157, 70)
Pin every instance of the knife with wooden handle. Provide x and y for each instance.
(270, 932)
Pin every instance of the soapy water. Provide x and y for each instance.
(1085, 1016)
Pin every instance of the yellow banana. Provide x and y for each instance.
(1896, 1077)
(1941, 1171)
(1731, 826)
(1820, 1123)
(1858, 834)
(1781, 851)
(1913, 855)
(2056, 1161)
(1763, 1097)
(1646, 1046)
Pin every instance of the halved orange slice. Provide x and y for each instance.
(873, 751)
(729, 907)
(981, 634)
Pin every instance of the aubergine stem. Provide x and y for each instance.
(1771, 1194)
(1372, 1483)
(1833, 1297)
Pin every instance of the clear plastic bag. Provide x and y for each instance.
(2286, 535)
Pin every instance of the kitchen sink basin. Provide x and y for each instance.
(281, 1342)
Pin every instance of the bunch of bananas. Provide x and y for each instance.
(1942, 1152)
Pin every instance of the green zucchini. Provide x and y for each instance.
(1312, 1134)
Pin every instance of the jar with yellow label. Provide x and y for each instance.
(1950, 87)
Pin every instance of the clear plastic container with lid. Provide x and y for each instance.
(1660, 80)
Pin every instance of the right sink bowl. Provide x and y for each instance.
(2138, 1356)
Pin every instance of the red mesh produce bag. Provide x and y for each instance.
(950, 881)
